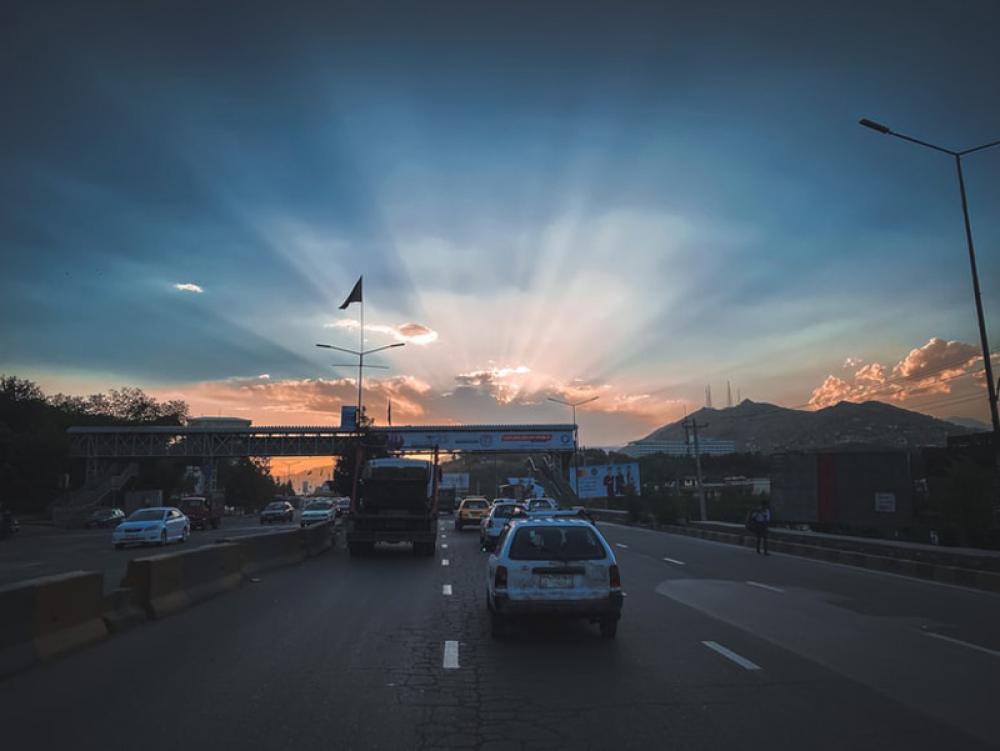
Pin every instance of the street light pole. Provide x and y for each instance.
(360, 354)
(991, 387)
(576, 439)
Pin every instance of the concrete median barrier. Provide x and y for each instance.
(44, 617)
(272, 550)
(317, 538)
(165, 584)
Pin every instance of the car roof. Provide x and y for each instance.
(551, 521)
(155, 508)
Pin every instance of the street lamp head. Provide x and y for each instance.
(883, 129)
(559, 401)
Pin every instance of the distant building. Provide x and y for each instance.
(706, 446)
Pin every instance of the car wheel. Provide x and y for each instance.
(498, 626)
(609, 628)
(186, 535)
(163, 538)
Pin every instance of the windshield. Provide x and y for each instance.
(567, 543)
(193, 503)
(320, 506)
(539, 505)
(475, 504)
(147, 515)
(505, 510)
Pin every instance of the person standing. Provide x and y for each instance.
(760, 520)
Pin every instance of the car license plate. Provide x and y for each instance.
(555, 581)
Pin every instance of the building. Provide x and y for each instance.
(706, 446)
(872, 489)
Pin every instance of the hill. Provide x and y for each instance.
(768, 428)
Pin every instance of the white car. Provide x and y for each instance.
(491, 527)
(157, 525)
(553, 567)
(542, 504)
(316, 512)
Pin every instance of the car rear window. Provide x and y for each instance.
(147, 515)
(475, 504)
(562, 543)
(506, 510)
(319, 506)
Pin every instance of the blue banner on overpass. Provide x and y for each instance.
(498, 438)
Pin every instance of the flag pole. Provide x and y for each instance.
(361, 356)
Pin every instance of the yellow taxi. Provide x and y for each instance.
(472, 510)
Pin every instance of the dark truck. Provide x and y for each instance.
(203, 512)
(396, 501)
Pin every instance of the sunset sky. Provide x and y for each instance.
(620, 199)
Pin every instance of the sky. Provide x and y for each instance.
(625, 200)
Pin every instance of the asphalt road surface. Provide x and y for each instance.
(44, 550)
(718, 649)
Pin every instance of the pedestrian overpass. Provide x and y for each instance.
(119, 443)
(111, 452)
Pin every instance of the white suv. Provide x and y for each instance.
(553, 567)
(491, 527)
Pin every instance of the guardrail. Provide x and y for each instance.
(40, 618)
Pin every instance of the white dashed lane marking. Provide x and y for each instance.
(675, 561)
(450, 655)
(621, 545)
(765, 586)
(961, 643)
(444, 561)
(743, 662)
(446, 590)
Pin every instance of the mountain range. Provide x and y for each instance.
(768, 428)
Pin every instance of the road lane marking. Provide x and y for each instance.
(765, 586)
(743, 662)
(444, 546)
(621, 545)
(446, 590)
(961, 643)
(444, 561)
(674, 560)
(450, 655)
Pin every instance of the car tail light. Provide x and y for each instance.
(500, 580)
(616, 578)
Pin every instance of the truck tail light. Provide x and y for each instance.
(616, 578)
(500, 579)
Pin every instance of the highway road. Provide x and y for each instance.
(718, 649)
(43, 550)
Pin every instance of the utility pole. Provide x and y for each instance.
(690, 424)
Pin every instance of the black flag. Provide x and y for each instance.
(355, 295)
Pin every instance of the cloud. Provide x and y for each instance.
(852, 362)
(411, 333)
(189, 287)
(935, 368)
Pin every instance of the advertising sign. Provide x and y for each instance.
(885, 503)
(534, 489)
(606, 480)
(348, 417)
(524, 438)
(457, 480)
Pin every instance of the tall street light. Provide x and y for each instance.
(360, 354)
(990, 384)
(576, 431)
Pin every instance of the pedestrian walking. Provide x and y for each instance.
(760, 520)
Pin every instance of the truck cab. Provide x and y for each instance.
(202, 511)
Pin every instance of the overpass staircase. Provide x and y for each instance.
(72, 506)
(550, 478)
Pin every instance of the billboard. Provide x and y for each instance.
(606, 480)
(524, 438)
(457, 480)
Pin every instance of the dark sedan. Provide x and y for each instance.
(278, 511)
(105, 517)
